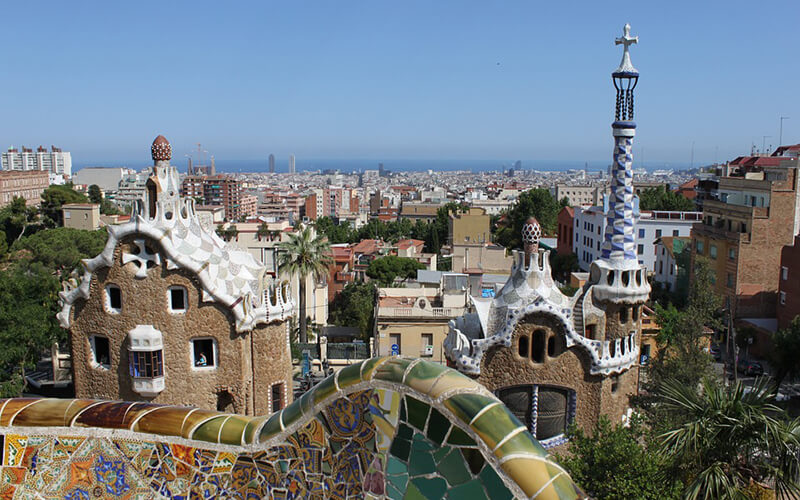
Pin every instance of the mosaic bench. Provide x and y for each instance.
(384, 428)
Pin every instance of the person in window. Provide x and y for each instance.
(201, 361)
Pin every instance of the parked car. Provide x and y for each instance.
(750, 367)
(715, 352)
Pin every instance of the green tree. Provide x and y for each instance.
(386, 269)
(108, 207)
(355, 306)
(227, 233)
(734, 443)
(336, 233)
(95, 195)
(537, 203)
(61, 249)
(304, 254)
(785, 353)
(16, 219)
(616, 463)
(658, 198)
(563, 265)
(28, 325)
(53, 198)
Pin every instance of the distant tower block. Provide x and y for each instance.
(271, 163)
(618, 276)
(291, 164)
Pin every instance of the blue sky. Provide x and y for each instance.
(383, 80)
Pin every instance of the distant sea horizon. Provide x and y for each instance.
(410, 165)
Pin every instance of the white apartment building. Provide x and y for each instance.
(590, 226)
(578, 195)
(131, 188)
(54, 161)
(666, 267)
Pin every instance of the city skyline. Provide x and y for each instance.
(359, 80)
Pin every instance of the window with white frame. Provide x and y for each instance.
(783, 298)
(204, 354)
(113, 299)
(784, 273)
(178, 299)
(101, 352)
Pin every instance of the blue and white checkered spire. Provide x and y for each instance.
(619, 244)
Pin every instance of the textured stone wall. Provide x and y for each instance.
(615, 327)
(145, 302)
(504, 367)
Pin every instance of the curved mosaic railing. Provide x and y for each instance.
(384, 428)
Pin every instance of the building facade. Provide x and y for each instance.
(84, 216)
(743, 232)
(28, 185)
(578, 195)
(220, 190)
(557, 360)
(54, 161)
(106, 178)
(666, 271)
(168, 313)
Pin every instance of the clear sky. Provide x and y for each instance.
(402, 79)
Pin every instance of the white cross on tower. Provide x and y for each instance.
(626, 40)
(142, 258)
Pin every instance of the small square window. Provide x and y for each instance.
(204, 353)
(732, 253)
(177, 299)
(277, 397)
(783, 298)
(658, 233)
(101, 351)
(730, 280)
(641, 233)
(712, 251)
(114, 298)
(784, 273)
(674, 232)
(640, 249)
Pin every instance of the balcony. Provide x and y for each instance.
(415, 312)
(718, 233)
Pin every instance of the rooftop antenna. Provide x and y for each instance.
(780, 137)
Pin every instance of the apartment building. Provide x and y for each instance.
(218, 190)
(589, 226)
(743, 232)
(415, 320)
(336, 202)
(54, 161)
(28, 185)
(578, 195)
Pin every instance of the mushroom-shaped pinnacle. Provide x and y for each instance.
(161, 149)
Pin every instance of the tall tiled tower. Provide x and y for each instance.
(618, 277)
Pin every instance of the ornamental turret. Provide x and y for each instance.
(618, 276)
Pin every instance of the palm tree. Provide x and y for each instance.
(733, 441)
(304, 254)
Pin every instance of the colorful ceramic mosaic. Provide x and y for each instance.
(385, 428)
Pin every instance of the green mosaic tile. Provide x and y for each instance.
(473, 458)
(399, 481)
(450, 380)
(466, 406)
(494, 484)
(402, 412)
(349, 375)
(250, 430)
(453, 468)
(417, 412)
(209, 430)
(413, 493)
(307, 402)
(430, 488)
(400, 448)
(438, 425)
(232, 430)
(521, 443)
(368, 368)
(495, 424)
(393, 370)
(405, 432)
(423, 375)
(442, 452)
(565, 488)
(393, 492)
(421, 444)
(323, 390)
(395, 466)
(271, 428)
(459, 437)
(292, 413)
(472, 490)
(420, 462)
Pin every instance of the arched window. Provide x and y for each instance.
(523, 347)
(546, 411)
(635, 313)
(623, 314)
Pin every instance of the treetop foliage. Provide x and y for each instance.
(658, 198)
(538, 203)
(385, 269)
